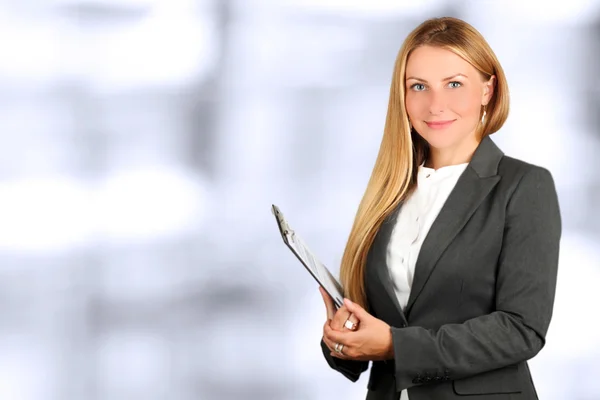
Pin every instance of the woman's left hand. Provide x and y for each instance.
(372, 340)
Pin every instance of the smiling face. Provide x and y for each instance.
(444, 98)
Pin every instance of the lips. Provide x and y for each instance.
(439, 124)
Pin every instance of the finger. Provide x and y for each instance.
(347, 353)
(351, 323)
(337, 336)
(332, 349)
(329, 304)
(341, 356)
(340, 317)
(356, 310)
(327, 342)
(330, 345)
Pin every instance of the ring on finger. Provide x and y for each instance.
(350, 325)
(338, 348)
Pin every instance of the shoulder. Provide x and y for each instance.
(529, 190)
(517, 173)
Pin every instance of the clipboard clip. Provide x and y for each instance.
(285, 229)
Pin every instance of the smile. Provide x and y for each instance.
(439, 124)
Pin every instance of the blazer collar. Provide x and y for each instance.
(486, 158)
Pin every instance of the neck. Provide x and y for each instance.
(439, 158)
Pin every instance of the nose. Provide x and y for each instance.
(437, 102)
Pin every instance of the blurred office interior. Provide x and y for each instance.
(144, 142)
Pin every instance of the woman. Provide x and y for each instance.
(452, 259)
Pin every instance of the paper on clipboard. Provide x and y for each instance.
(316, 268)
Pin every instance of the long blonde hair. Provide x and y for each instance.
(402, 150)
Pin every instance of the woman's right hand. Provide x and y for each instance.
(336, 318)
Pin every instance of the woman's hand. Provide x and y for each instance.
(337, 319)
(373, 341)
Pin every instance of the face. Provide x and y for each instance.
(444, 97)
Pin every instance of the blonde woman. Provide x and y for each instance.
(450, 268)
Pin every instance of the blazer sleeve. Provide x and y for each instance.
(525, 290)
(349, 368)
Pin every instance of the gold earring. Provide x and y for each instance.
(483, 116)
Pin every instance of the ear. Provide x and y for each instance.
(488, 90)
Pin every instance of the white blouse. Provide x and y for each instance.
(412, 225)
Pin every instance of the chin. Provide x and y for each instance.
(442, 141)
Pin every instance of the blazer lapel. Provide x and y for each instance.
(472, 187)
(377, 259)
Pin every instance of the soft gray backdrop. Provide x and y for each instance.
(143, 143)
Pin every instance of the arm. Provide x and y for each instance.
(525, 289)
(349, 368)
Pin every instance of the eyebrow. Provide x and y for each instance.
(445, 79)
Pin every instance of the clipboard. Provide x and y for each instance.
(316, 268)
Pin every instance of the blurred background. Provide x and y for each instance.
(144, 141)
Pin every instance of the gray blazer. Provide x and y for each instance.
(483, 290)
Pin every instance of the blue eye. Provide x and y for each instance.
(418, 87)
(455, 84)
